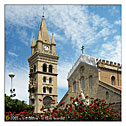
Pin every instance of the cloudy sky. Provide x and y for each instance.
(97, 27)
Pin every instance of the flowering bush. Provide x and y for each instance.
(76, 110)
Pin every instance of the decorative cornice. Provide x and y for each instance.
(53, 74)
(47, 55)
(109, 65)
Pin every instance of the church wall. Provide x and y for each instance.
(114, 96)
(105, 76)
(91, 92)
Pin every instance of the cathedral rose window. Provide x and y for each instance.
(47, 100)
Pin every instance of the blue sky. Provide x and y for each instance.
(97, 27)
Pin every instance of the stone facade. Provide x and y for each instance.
(43, 70)
(101, 80)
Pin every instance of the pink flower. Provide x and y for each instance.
(80, 107)
(71, 98)
(102, 100)
(75, 112)
(86, 97)
(62, 103)
(93, 112)
(56, 111)
(73, 115)
(95, 102)
(67, 105)
(90, 105)
(76, 98)
(67, 112)
(107, 108)
(70, 109)
(81, 102)
(80, 116)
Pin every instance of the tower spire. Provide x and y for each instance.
(39, 35)
(33, 42)
(44, 31)
(53, 41)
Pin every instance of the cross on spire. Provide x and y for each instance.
(82, 49)
(43, 11)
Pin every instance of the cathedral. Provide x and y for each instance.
(94, 77)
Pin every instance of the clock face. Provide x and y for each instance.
(47, 101)
(46, 48)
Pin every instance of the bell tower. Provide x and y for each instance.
(43, 70)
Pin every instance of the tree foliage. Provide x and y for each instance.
(15, 105)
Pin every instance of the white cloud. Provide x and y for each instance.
(12, 53)
(57, 37)
(23, 36)
(73, 20)
(117, 22)
(104, 32)
(117, 38)
(23, 15)
(112, 51)
(108, 46)
(114, 10)
(62, 70)
(105, 38)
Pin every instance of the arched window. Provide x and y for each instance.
(82, 83)
(50, 68)
(44, 68)
(34, 68)
(107, 95)
(50, 80)
(44, 89)
(50, 90)
(74, 86)
(90, 81)
(32, 101)
(82, 69)
(44, 79)
(113, 80)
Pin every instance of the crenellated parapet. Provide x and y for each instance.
(108, 64)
